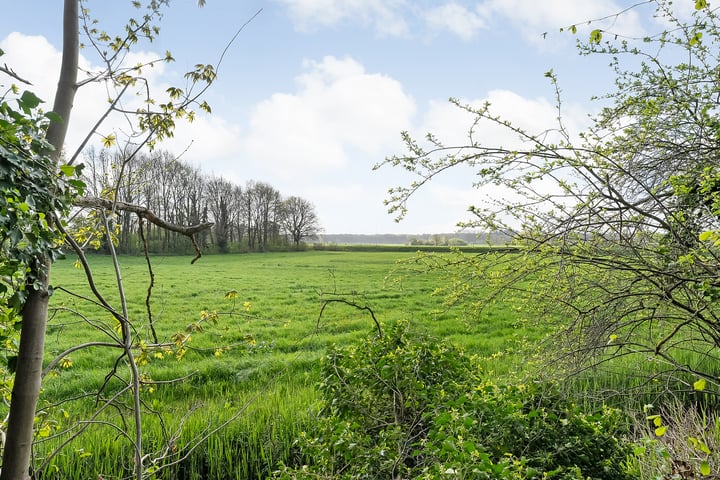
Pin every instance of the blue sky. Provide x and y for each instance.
(314, 92)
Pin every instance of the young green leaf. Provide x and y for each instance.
(67, 170)
(697, 36)
(109, 141)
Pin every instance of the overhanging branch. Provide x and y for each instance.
(144, 212)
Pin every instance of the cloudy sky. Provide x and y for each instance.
(313, 93)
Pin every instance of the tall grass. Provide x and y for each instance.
(256, 368)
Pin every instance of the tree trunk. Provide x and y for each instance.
(26, 389)
(28, 376)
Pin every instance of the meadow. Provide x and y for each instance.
(255, 367)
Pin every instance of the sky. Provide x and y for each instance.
(312, 93)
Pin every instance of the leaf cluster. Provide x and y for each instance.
(35, 192)
(403, 407)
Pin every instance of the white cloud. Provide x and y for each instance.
(385, 16)
(36, 60)
(455, 18)
(533, 18)
(339, 111)
(33, 58)
(210, 139)
(463, 18)
(451, 124)
(453, 190)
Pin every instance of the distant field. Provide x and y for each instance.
(264, 358)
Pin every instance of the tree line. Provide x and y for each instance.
(250, 217)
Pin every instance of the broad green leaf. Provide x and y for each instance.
(660, 431)
(700, 4)
(700, 385)
(706, 235)
(53, 117)
(29, 100)
(596, 36)
(573, 29)
(705, 468)
(67, 170)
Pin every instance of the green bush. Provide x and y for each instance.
(394, 407)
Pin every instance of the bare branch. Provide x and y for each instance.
(146, 213)
(9, 71)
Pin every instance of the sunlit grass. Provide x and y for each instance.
(258, 364)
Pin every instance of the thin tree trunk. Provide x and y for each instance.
(26, 389)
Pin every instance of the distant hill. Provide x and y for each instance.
(471, 238)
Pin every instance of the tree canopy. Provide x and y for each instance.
(619, 223)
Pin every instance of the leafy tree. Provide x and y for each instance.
(619, 223)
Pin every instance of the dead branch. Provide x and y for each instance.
(351, 303)
(146, 213)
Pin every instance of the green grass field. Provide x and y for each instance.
(257, 365)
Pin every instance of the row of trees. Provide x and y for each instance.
(255, 216)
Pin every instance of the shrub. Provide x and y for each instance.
(400, 408)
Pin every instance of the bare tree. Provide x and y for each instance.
(219, 198)
(299, 219)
